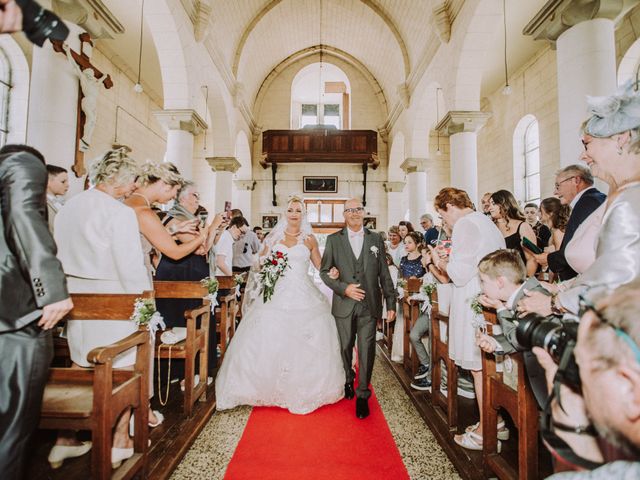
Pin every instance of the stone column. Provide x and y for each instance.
(223, 168)
(415, 170)
(584, 35)
(396, 206)
(181, 126)
(53, 106)
(462, 128)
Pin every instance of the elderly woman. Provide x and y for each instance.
(474, 236)
(395, 245)
(99, 247)
(611, 139)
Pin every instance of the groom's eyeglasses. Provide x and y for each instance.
(354, 210)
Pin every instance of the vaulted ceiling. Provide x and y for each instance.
(388, 38)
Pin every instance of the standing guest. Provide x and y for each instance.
(411, 264)
(430, 231)
(485, 203)
(99, 247)
(396, 245)
(543, 234)
(57, 186)
(555, 216)
(33, 296)
(404, 228)
(574, 187)
(506, 214)
(245, 248)
(259, 233)
(238, 227)
(473, 237)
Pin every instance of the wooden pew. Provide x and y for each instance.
(522, 408)
(410, 313)
(197, 340)
(447, 406)
(225, 314)
(93, 399)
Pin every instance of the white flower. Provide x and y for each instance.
(374, 250)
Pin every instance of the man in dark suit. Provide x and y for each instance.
(574, 187)
(33, 298)
(359, 255)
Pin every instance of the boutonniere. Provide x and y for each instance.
(374, 250)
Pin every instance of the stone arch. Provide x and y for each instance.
(423, 115)
(327, 52)
(630, 63)
(19, 92)
(377, 9)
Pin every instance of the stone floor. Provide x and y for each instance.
(423, 457)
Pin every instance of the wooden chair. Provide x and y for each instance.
(521, 406)
(197, 340)
(93, 399)
(446, 406)
(410, 313)
(225, 314)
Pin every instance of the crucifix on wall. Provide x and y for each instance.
(91, 79)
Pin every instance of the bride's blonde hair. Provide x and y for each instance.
(296, 199)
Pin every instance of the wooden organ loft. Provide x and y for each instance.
(320, 145)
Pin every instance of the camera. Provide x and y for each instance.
(38, 23)
(558, 338)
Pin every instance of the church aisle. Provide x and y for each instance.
(422, 456)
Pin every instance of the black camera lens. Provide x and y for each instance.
(39, 24)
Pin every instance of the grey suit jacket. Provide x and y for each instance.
(509, 319)
(30, 274)
(377, 279)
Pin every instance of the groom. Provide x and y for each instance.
(359, 255)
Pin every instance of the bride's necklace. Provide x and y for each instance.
(145, 198)
(292, 234)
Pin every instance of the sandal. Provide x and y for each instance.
(159, 420)
(503, 431)
(472, 441)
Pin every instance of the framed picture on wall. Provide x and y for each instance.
(269, 220)
(370, 223)
(320, 184)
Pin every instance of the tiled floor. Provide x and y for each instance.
(423, 457)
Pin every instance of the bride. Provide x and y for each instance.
(285, 352)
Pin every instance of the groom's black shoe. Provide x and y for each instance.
(362, 407)
(348, 390)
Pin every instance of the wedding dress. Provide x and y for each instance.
(285, 352)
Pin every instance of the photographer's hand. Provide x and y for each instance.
(10, 16)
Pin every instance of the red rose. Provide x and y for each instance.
(279, 254)
(273, 262)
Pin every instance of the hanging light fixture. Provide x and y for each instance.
(507, 88)
(438, 152)
(138, 86)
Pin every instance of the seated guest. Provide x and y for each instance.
(574, 187)
(395, 246)
(99, 248)
(503, 278)
(543, 234)
(608, 353)
(57, 186)
(430, 231)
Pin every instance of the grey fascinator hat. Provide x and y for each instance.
(614, 114)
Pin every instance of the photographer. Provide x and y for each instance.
(608, 354)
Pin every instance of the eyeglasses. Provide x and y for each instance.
(354, 210)
(557, 184)
(196, 195)
(586, 304)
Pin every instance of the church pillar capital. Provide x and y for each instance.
(558, 16)
(91, 15)
(223, 164)
(461, 121)
(391, 187)
(413, 165)
(185, 119)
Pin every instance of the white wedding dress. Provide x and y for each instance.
(285, 352)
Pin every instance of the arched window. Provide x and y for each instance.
(526, 160)
(5, 90)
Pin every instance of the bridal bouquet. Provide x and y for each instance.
(145, 314)
(273, 267)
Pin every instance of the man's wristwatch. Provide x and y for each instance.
(556, 309)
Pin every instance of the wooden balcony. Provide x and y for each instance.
(320, 145)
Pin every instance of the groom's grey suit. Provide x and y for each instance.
(370, 270)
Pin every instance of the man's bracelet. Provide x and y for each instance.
(579, 429)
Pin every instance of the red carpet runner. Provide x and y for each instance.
(330, 443)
